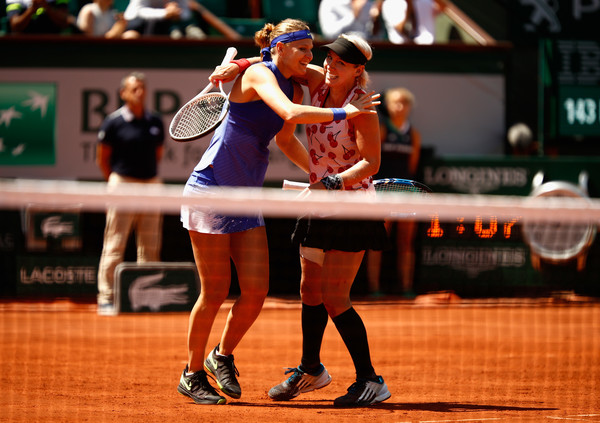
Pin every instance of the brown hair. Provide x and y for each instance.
(264, 36)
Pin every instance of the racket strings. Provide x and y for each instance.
(384, 185)
(398, 188)
(199, 116)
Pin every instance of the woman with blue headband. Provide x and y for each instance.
(262, 99)
(342, 155)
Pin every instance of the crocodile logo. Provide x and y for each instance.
(54, 227)
(146, 291)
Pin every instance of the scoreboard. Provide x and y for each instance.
(578, 110)
(487, 254)
(570, 74)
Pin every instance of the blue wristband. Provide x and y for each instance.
(338, 113)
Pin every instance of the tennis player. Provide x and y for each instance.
(343, 155)
(261, 100)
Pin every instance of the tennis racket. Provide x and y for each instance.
(382, 185)
(203, 113)
(400, 185)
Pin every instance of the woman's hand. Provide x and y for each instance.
(225, 73)
(365, 103)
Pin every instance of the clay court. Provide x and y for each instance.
(494, 360)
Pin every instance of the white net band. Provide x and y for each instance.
(278, 203)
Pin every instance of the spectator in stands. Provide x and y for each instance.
(130, 146)
(160, 17)
(410, 21)
(39, 16)
(349, 16)
(100, 19)
(400, 155)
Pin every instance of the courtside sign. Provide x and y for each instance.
(27, 123)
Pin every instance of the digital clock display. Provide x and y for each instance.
(579, 110)
(483, 227)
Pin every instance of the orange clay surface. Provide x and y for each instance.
(444, 361)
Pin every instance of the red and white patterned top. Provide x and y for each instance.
(332, 145)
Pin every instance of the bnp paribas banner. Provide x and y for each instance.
(50, 117)
(27, 123)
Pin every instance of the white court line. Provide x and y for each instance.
(574, 417)
(460, 420)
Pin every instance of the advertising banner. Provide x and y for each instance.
(154, 287)
(27, 123)
(53, 275)
(74, 102)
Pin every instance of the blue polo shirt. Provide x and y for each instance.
(133, 142)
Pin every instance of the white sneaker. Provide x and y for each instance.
(106, 309)
(298, 383)
(364, 392)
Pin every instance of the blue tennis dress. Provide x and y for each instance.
(238, 155)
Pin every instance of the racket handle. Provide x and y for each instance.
(293, 185)
(231, 53)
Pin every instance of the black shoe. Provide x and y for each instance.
(196, 387)
(364, 392)
(225, 372)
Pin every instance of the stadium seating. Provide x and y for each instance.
(217, 7)
(120, 5)
(3, 19)
(246, 27)
(277, 10)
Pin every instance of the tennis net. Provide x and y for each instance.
(496, 318)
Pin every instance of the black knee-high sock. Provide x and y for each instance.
(354, 334)
(314, 321)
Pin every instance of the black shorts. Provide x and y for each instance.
(341, 235)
